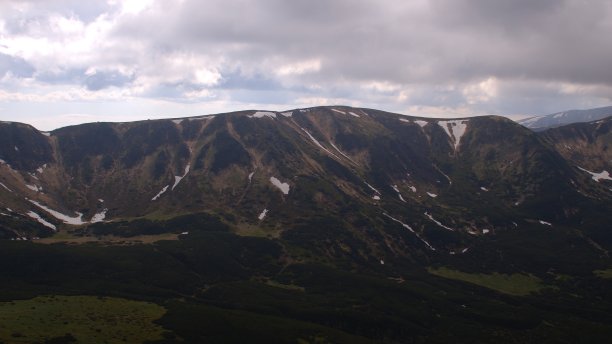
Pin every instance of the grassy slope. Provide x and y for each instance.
(514, 284)
(604, 273)
(86, 318)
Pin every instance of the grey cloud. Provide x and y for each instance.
(444, 42)
(92, 81)
(261, 97)
(545, 40)
(16, 66)
(237, 80)
(447, 41)
(103, 79)
(420, 46)
(175, 91)
(61, 76)
(168, 91)
(501, 15)
(542, 98)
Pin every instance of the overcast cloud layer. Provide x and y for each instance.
(70, 61)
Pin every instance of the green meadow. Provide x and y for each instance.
(86, 319)
(514, 284)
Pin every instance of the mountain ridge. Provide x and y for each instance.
(295, 164)
(558, 119)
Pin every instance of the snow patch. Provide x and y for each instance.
(597, 176)
(484, 189)
(339, 111)
(287, 114)
(450, 182)
(485, 231)
(353, 114)
(399, 194)
(6, 187)
(202, 117)
(99, 217)
(177, 179)
(419, 122)
(71, 220)
(100, 200)
(455, 129)
(432, 195)
(46, 133)
(251, 176)
(284, 187)
(546, 223)
(371, 187)
(318, 144)
(41, 220)
(438, 222)
(528, 121)
(376, 197)
(41, 168)
(339, 151)
(410, 229)
(263, 214)
(262, 114)
(412, 188)
(16, 149)
(160, 193)
(33, 187)
(177, 121)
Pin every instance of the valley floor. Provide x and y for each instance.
(221, 287)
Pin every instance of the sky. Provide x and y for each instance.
(65, 62)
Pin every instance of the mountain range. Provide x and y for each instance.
(305, 197)
(566, 117)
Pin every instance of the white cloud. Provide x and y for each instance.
(133, 6)
(300, 67)
(381, 86)
(481, 92)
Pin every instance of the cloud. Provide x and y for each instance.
(235, 79)
(100, 80)
(483, 56)
(15, 66)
